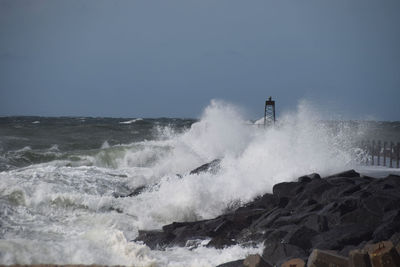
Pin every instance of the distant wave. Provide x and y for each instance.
(131, 121)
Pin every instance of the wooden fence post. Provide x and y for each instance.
(373, 152)
(391, 155)
(384, 153)
(368, 149)
(378, 149)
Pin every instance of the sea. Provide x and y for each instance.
(65, 181)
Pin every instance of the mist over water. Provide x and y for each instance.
(57, 197)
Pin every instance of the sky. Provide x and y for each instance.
(169, 58)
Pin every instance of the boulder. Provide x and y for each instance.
(324, 258)
(346, 174)
(359, 258)
(383, 254)
(255, 260)
(212, 167)
(308, 178)
(277, 252)
(342, 212)
(237, 263)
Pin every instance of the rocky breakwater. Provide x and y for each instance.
(342, 212)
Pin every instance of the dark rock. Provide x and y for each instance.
(388, 226)
(301, 237)
(221, 242)
(266, 220)
(316, 189)
(316, 222)
(155, 239)
(212, 167)
(346, 174)
(287, 189)
(304, 179)
(395, 239)
(135, 192)
(277, 253)
(238, 263)
(341, 236)
(342, 212)
(255, 260)
(266, 202)
(308, 178)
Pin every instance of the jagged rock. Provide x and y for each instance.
(212, 167)
(308, 178)
(238, 263)
(342, 212)
(255, 260)
(395, 238)
(389, 225)
(287, 189)
(346, 174)
(318, 223)
(341, 236)
(277, 252)
(135, 192)
(301, 237)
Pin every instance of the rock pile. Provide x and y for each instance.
(342, 212)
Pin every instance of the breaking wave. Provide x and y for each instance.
(65, 209)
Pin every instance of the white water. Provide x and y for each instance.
(131, 121)
(64, 212)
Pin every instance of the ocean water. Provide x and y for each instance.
(59, 178)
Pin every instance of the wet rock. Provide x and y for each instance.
(287, 189)
(346, 174)
(341, 236)
(255, 260)
(277, 252)
(238, 263)
(301, 237)
(212, 167)
(135, 192)
(318, 223)
(155, 239)
(389, 225)
(395, 238)
(308, 178)
(342, 212)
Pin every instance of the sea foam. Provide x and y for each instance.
(65, 211)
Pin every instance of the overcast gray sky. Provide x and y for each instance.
(170, 58)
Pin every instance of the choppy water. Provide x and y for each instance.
(59, 176)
